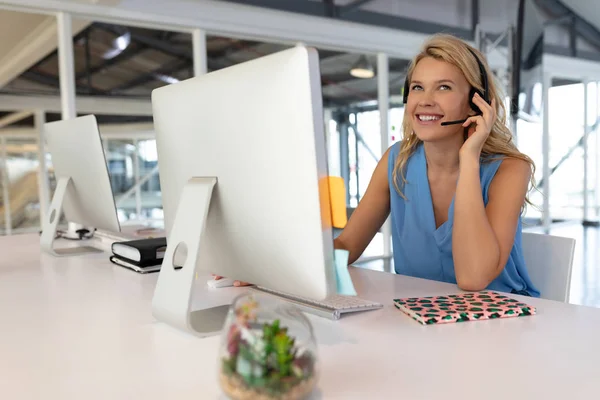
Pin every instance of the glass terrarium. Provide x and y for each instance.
(268, 350)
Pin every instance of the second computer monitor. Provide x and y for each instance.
(257, 129)
(83, 190)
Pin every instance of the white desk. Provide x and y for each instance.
(81, 328)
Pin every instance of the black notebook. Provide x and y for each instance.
(142, 251)
(137, 267)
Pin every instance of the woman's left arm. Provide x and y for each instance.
(483, 236)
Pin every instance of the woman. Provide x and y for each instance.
(455, 192)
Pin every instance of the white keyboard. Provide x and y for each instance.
(332, 307)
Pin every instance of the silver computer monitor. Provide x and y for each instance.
(243, 174)
(83, 190)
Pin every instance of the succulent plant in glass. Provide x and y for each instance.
(268, 350)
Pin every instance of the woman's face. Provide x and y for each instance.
(438, 91)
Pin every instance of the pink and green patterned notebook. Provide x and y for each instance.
(462, 307)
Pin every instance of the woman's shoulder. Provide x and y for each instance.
(393, 157)
(393, 152)
(493, 165)
(395, 149)
(502, 161)
(515, 167)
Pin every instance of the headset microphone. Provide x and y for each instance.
(460, 121)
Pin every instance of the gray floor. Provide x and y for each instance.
(585, 279)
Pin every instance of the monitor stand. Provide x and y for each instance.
(172, 299)
(50, 224)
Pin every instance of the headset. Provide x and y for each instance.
(484, 95)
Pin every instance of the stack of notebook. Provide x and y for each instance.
(141, 255)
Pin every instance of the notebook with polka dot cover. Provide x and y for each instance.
(463, 307)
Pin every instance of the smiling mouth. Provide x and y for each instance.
(428, 117)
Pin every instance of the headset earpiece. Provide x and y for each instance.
(474, 106)
(406, 89)
(484, 83)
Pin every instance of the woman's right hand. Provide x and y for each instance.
(235, 283)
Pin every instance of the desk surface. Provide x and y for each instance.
(81, 327)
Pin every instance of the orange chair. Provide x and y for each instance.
(337, 197)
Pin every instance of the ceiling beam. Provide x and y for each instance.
(182, 57)
(343, 13)
(245, 21)
(568, 67)
(19, 133)
(168, 68)
(155, 43)
(38, 44)
(21, 148)
(164, 47)
(140, 131)
(52, 82)
(129, 52)
(554, 50)
(54, 53)
(140, 42)
(238, 21)
(41, 78)
(578, 24)
(340, 77)
(83, 104)
(355, 5)
(14, 117)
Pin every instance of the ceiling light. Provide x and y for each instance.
(166, 78)
(362, 69)
(119, 44)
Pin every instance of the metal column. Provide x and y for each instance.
(343, 126)
(328, 116)
(546, 221)
(586, 133)
(66, 72)
(136, 174)
(383, 97)
(512, 118)
(66, 65)
(357, 158)
(43, 182)
(5, 189)
(199, 52)
(597, 136)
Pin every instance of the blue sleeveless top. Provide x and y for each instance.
(421, 250)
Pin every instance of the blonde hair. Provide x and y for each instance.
(454, 51)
